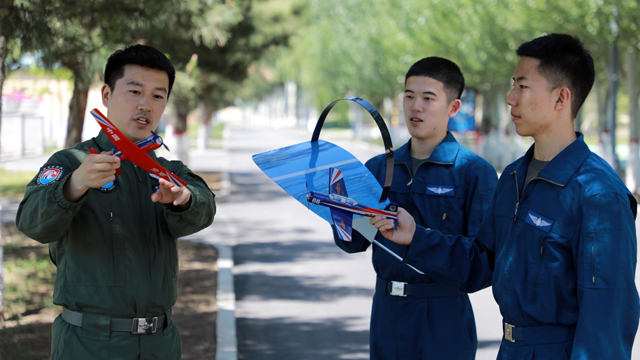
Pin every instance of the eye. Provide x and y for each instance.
(159, 97)
(134, 92)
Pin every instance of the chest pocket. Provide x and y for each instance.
(548, 239)
(439, 207)
(95, 245)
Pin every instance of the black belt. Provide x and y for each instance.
(134, 326)
(399, 288)
(535, 335)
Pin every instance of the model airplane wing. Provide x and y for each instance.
(134, 152)
(342, 220)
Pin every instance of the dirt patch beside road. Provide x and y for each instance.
(29, 289)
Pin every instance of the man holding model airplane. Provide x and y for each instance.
(113, 238)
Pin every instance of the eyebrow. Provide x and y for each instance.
(135, 83)
(424, 92)
(519, 78)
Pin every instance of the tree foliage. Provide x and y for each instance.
(366, 47)
(226, 37)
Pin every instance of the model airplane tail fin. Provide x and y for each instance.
(393, 207)
(343, 223)
(336, 182)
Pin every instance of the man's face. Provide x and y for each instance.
(532, 100)
(136, 104)
(426, 108)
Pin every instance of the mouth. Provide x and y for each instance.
(415, 119)
(515, 117)
(142, 120)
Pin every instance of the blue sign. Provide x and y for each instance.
(465, 119)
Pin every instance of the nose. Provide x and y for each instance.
(511, 99)
(416, 104)
(143, 104)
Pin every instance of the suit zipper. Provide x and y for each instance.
(593, 257)
(535, 285)
(515, 214)
(113, 242)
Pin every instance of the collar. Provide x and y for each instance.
(562, 167)
(445, 153)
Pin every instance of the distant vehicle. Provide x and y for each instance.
(126, 149)
(343, 208)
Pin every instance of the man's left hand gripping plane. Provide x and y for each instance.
(126, 149)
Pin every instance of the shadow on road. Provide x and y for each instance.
(352, 344)
(261, 286)
(275, 252)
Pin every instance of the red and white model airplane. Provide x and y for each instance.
(126, 149)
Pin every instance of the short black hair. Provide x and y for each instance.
(443, 70)
(142, 55)
(563, 61)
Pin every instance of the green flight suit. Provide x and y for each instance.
(115, 251)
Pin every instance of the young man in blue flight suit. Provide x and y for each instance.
(427, 320)
(559, 237)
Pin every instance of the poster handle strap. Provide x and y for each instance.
(384, 131)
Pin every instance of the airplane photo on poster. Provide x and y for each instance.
(343, 208)
(136, 152)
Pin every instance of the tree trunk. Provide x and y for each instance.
(632, 175)
(180, 132)
(3, 55)
(204, 131)
(604, 133)
(493, 143)
(77, 108)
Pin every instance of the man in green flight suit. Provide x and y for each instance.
(114, 239)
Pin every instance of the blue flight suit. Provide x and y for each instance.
(563, 253)
(436, 322)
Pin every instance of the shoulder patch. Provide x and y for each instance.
(109, 187)
(50, 173)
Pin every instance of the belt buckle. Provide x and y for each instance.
(508, 332)
(398, 288)
(145, 325)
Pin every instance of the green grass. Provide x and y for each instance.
(218, 128)
(14, 183)
(29, 274)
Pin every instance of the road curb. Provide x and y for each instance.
(227, 343)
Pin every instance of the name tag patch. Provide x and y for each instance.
(539, 221)
(50, 174)
(109, 187)
(440, 190)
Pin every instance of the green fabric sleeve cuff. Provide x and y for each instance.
(62, 201)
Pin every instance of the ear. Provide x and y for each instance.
(454, 107)
(564, 99)
(106, 95)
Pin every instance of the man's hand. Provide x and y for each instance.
(406, 227)
(95, 171)
(170, 193)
